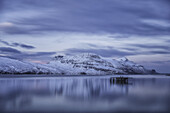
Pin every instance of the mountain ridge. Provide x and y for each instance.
(81, 64)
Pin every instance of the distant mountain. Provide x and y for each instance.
(87, 63)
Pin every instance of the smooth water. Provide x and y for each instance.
(144, 93)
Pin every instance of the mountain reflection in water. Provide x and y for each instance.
(84, 94)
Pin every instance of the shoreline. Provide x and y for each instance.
(65, 76)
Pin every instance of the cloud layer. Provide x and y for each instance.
(16, 54)
(149, 17)
(15, 44)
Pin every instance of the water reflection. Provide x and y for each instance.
(84, 94)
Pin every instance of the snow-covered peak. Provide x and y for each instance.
(81, 57)
(123, 59)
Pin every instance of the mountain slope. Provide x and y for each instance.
(90, 64)
(12, 66)
(94, 64)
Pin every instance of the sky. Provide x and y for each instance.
(37, 30)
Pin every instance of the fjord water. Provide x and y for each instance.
(144, 93)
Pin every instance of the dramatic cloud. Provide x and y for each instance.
(149, 17)
(16, 54)
(159, 52)
(8, 50)
(23, 45)
(17, 45)
(4, 42)
(152, 46)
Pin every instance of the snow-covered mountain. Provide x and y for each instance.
(12, 66)
(87, 63)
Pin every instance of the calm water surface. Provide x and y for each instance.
(144, 93)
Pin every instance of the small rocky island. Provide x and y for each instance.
(82, 64)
